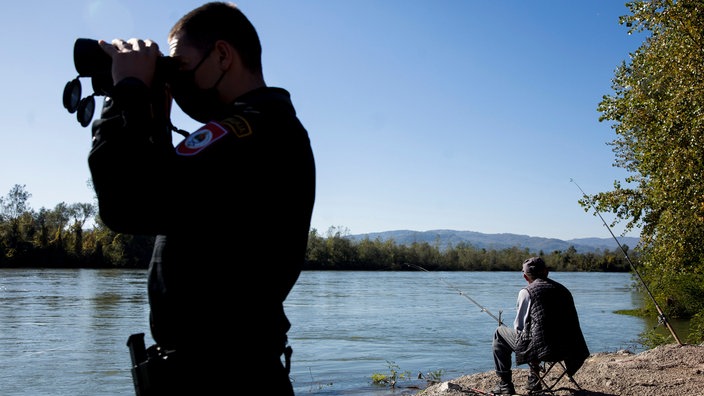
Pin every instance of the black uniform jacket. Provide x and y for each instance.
(230, 205)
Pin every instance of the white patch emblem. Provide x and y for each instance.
(201, 139)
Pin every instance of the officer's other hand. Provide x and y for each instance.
(132, 58)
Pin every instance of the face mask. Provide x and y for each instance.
(203, 105)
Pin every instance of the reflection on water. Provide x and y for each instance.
(63, 332)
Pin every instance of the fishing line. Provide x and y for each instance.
(463, 294)
(661, 315)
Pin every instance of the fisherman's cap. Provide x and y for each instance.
(534, 266)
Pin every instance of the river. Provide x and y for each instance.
(63, 332)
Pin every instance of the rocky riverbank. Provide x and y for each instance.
(667, 370)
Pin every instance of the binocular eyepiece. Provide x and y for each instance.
(91, 61)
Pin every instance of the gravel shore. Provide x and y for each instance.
(667, 370)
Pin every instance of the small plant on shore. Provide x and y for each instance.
(432, 377)
(395, 375)
(392, 378)
(319, 385)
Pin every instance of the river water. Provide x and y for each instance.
(64, 332)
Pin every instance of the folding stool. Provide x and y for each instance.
(544, 368)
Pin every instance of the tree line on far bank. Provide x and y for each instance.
(58, 238)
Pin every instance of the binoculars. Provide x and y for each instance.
(91, 61)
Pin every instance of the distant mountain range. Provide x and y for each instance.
(446, 238)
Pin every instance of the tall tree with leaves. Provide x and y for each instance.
(81, 213)
(657, 110)
(12, 207)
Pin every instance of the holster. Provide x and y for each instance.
(150, 367)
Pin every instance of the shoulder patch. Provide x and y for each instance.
(237, 125)
(200, 139)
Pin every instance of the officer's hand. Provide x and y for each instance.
(132, 58)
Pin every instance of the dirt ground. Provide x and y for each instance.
(667, 370)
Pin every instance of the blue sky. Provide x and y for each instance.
(466, 115)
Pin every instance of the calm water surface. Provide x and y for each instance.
(63, 332)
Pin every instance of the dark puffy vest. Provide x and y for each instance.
(553, 332)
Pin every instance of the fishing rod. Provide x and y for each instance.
(498, 319)
(661, 315)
